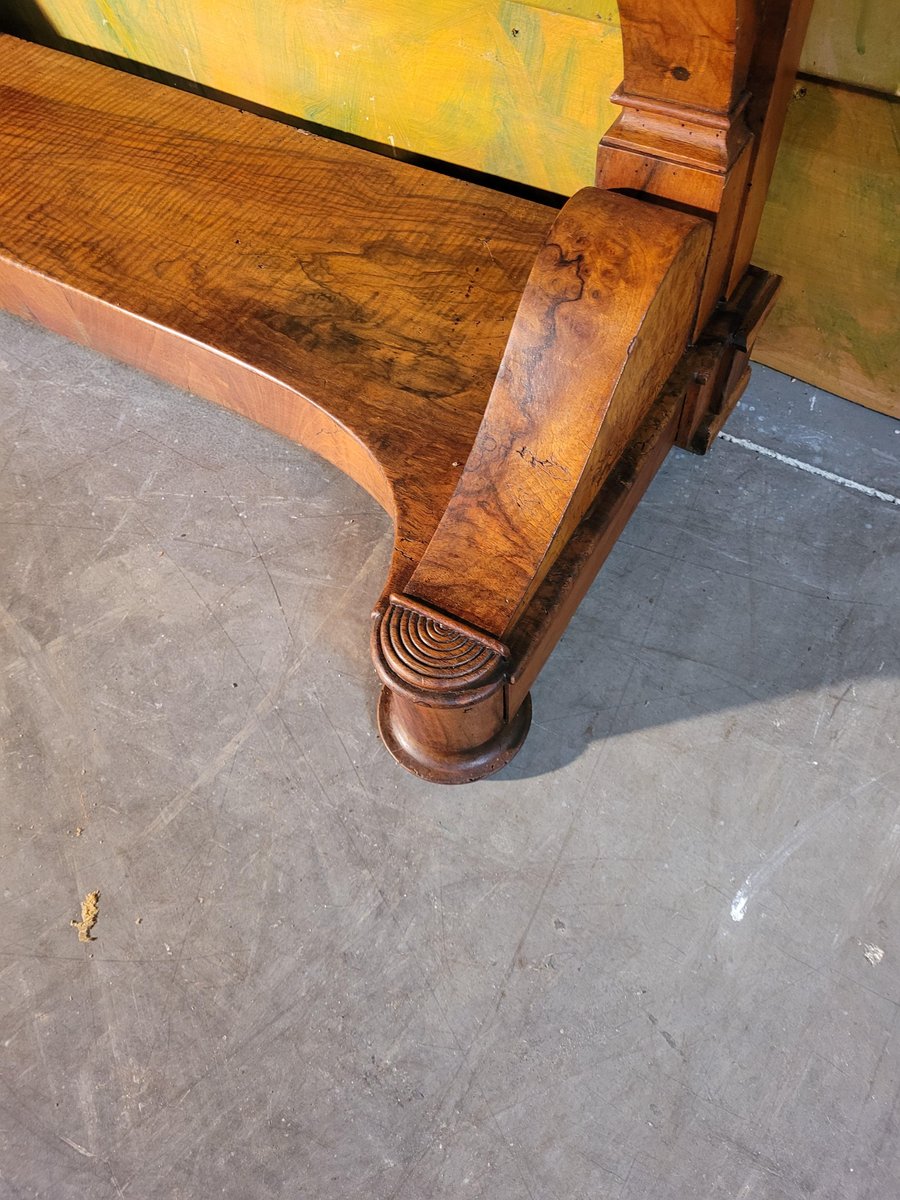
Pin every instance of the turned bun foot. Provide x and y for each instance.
(444, 708)
(439, 745)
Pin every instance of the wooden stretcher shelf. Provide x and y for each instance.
(355, 303)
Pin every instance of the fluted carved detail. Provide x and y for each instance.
(430, 651)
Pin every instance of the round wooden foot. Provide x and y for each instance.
(420, 747)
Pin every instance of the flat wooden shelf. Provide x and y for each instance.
(354, 303)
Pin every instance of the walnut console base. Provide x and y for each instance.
(504, 378)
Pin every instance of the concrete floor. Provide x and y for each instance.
(644, 962)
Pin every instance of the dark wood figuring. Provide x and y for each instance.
(682, 135)
(354, 303)
(603, 321)
(361, 307)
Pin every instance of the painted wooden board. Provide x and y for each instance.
(518, 90)
(854, 41)
(590, 10)
(515, 90)
(404, 72)
(830, 227)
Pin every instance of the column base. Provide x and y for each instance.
(398, 717)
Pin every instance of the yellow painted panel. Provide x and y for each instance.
(830, 228)
(590, 10)
(854, 41)
(513, 89)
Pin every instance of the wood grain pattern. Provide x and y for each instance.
(555, 602)
(689, 54)
(515, 90)
(459, 738)
(192, 241)
(331, 295)
(702, 132)
(452, 81)
(604, 319)
(682, 136)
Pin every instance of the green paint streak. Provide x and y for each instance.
(861, 23)
(525, 33)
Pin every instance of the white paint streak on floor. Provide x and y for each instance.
(852, 484)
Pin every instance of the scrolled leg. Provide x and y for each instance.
(604, 318)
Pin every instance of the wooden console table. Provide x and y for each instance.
(503, 378)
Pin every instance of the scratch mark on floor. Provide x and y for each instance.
(666, 1036)
(840, 699)
(219, 761)
(75, 1146)
(265, 566)
(801, 834)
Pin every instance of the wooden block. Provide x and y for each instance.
(604, 320)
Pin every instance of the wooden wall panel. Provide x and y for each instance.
(854, 41)
(830, 227)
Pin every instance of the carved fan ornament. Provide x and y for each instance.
(430, 651)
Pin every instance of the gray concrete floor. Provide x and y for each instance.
(644, 962)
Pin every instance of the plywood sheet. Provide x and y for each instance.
(854, 41)
(830, 227)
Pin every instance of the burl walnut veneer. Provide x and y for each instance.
(503, 378)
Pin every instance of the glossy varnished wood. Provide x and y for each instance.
(505, 388)
(522, 93)
(518, 90)
(632, 272)
(604, 319)
(353, 303)
(703, 103)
